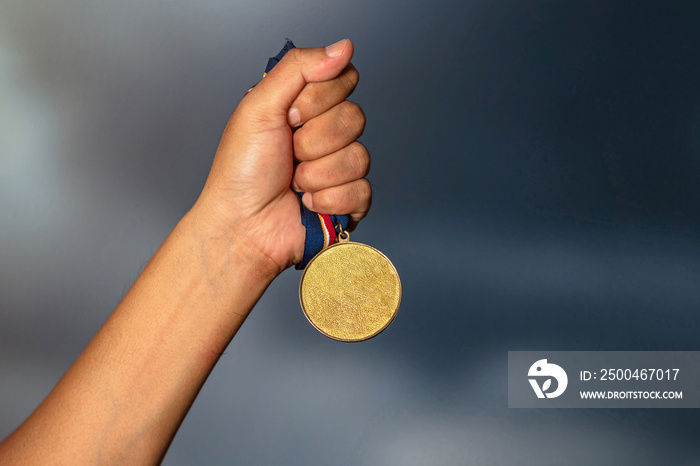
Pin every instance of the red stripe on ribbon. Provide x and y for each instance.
(328, 224)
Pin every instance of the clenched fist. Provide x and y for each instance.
(261, 159)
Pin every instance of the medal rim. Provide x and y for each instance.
(395, 311)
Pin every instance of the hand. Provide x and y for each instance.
(249, 191)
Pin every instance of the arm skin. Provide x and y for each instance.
(125, 396)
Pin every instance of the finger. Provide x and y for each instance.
(348, 164)
(354, 199)
(317, 98)
(329, 132)
(274, 94)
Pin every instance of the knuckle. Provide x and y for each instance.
(295, 55)
(359, 159)
(301, 176)
(325, 200)
(311, 98)
(305, 100)
(313, 175)
(353, 118)
(301, 144)
(350, 78)
(364, 190)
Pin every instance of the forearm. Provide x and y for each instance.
(127, 393)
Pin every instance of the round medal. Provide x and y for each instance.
(350, 291)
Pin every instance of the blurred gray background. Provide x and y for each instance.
(535, 172)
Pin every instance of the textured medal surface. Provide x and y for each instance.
(350, 291)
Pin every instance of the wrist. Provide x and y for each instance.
(222, 245)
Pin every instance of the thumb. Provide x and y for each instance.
(278, 90)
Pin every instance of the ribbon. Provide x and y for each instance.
(321, 229)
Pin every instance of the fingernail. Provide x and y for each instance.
(293, 117)
(306, 200)
(295, 186)
(336, 49)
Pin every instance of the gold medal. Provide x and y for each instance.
(350, 291)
